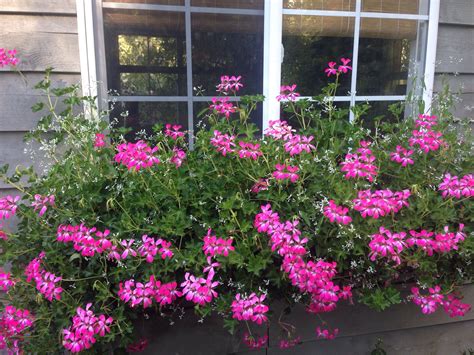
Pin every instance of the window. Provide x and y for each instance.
(162, 58)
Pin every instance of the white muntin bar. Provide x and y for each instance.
(355, 57)
(272, 59)
(430, 61)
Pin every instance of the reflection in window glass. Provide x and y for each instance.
(153, 2)
(235, 4)
(141, 116)
(381, 111)
(388, 56)
(395, 6)
(227, 45)
(309, 43)
(340, 5)
(145, 52)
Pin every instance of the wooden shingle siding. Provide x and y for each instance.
(458, 12)
(455, 53)
(45, 35)
(65, 7)
(17, 96)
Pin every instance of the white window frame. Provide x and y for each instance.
(92, 52)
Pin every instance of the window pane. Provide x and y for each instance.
(235, 4)
(145, 52)
(143, 115)
(227, 45)
(309, 43)
(381, 108)
(154, 2)
(340, 5)
(388, 55)
(396, 6)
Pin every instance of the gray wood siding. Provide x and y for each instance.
(45, 35)
(455, 53)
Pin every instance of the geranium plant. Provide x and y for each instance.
(319, 210)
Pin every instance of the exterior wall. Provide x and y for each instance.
(45, 35)
(455, 52)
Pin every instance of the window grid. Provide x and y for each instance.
(271, 72)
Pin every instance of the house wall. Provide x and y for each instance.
(45, 34)
(455, 52)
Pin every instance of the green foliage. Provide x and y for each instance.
(212, 191)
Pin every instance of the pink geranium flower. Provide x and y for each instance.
(223, 106)
(402, 156)
(249, 150)
(229, 84)
(337, 213)
(136, 155)
(8, 57)
(249, 308)
(284, 172)
(178, 157)
(216, 246)
(173, 131)
(288, 93)
(99, 141)
(8, 206)
(223, 142)
(41, 203)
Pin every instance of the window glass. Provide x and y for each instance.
(227, 45)
(381, 111)
(141, 116)
(309, 43)
(395, 6)
(235, 4)
(153, 2)
(339, 5)
(388, 56)
(145, 52)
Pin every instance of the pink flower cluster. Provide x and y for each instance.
(288, 93)
(199, 290)
(87, 241)
(151, 247)
(279, 130)
(229, 84)
(360, 164)
(402, 156)
(255, 343)
(223, 142)
(99, 141)
(453, 186)
(337, 213)
(289, 343)
(260, 185)
(8, 206)
(314, 278)
(86, 325)
(41, 203)
(46, 282)
(326, 333)
(380, 203)
(136, 155)
(6, 281)
(14, 323)
(284, 172)
(386, 244)
(343, 68)
(250, 308)
(297, 144)
(216, 246)
(425, 137)
(223, 106)
(249, 150)
(138, 293)
(173, 131)
(178, 157)
(440, 243)
(8, 57)
(429, 303)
